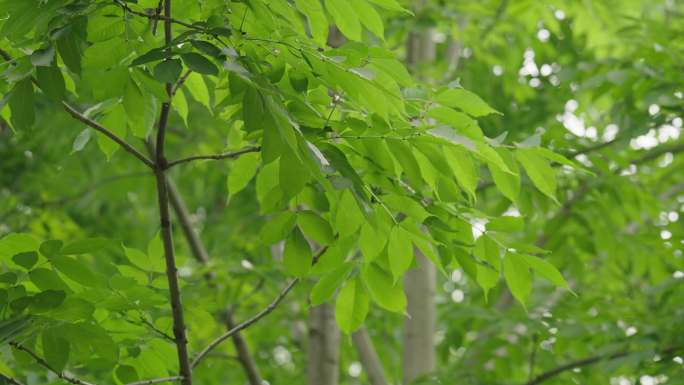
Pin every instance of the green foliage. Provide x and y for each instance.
(335, 165)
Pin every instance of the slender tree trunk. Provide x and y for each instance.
(419, 326)
(419, 283)
(324, 346)
(369, 357)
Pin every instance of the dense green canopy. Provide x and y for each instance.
(184, 182)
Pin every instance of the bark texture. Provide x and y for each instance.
(419, 326)
(369, 357)
(324, 346)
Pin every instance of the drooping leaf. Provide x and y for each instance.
(325, 288)
(518, 277)
(199, 63)
(315, 227)
(400, 251)
(351, 306)
(297, 256)
(242, 171)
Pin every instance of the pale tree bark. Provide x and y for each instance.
(419, 327)
(419, 283)
(324, 346)
(369, 357)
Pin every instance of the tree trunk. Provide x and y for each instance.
(419, 326)
(369, 357)
(324, 346)
(419, 283)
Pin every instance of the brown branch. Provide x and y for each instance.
(9, 380)
(245, 324)
(47, 366)
(156, 16)
(585, 362)
(165, 222)
(121, 142)
(249, 322)
(179, 83)
(156, 380)
(226, 155)
(201, 255)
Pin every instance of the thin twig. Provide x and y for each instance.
(179, 83)
(157, 380)
(245, 324)
(9, 380)
(121, 142)
(585, 362)
(155, 16)
(47, 366)
(226, 155)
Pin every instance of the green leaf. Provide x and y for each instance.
(345, 18)
(392, 5)
(518, 277)
(547, 270)
(199, 63)
(371, 241)
(51, 81)
(297, 256)
(8, 278)
(369, 17)
(207, 48)
(43, 57)
(47, 300)
(115, 121)
(86, 246)
(463, 167)
(26, 259)
(507, 183)
(46, 279)
(462, 123)
(318, 23)
(506, 223)
(315, 228)
(348, 217)
(538, 169)
(77, 271)
(140, 109)
(466, 101)
(400, 251)
(55, 348)
(325, 288)
(383, 290)
(126, 374)
(69, 50)
(198, 89)
(151, 55)
(15, 243)
(242, 171)
(403, 154)
(293, 175)
(488, 270)
(277, 228)
(21, 104)
(168, 71)
(351, 306)
(51, 248)
(81, 140)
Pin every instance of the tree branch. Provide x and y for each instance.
(47, 366)
(585, 362)
(253, 319)
(157, 380)
(201, 255)
(121, 142)
(165, 222)
(9, 380)
(156, 16)
(225, 155)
